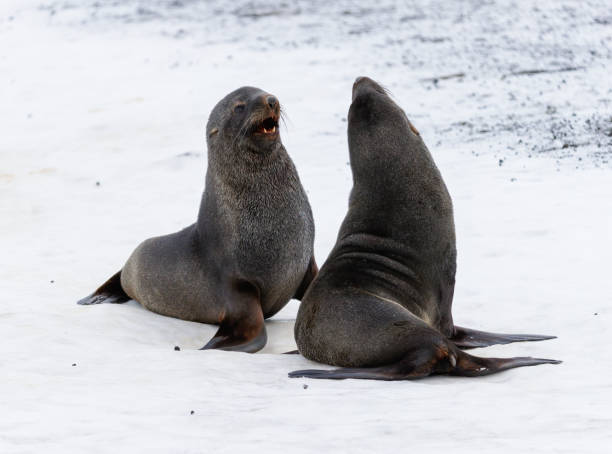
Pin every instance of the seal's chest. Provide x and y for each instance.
(273, 243)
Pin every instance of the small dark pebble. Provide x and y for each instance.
(52, 281)
(595, 313)
(177, 348)
(73, 364)
(97, 183)
(192, 412)
(501, 161)
(305, 386)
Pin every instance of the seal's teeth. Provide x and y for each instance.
(268, 126)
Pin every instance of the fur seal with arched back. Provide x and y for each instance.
(251, 249)
(381, 304)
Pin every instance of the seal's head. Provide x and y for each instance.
(371, 104)
(363, 85)
(382, 141)
(375, 124)
(369, 95)
(247, 119)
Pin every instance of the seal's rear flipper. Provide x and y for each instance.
(109, 292)
(242, 328)
(424, 362)
(471, 338)
(474, 366)
(374, 373)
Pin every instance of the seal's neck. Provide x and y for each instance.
(237, 181)
(238, 165)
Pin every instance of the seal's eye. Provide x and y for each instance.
(239, 108)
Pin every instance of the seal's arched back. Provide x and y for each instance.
(251, 249)
(381, 304)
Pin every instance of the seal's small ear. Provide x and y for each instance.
(413, 129)
(213, 131)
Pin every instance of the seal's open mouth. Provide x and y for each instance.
(269, 126)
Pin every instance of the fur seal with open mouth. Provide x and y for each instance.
(381, 304)
(251, 249)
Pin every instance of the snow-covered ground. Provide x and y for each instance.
(102, 113)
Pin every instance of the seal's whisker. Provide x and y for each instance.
(386, 90)
(241, 134)
(284, 117)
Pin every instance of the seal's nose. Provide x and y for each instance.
(272, 102)
(360, 80)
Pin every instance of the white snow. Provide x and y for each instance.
(117, 93)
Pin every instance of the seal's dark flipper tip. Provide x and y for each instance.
(229, 338)
(292, 352)
(95, 299)
(471, 338)
(109, 292)
(474, 366)
(243, 331)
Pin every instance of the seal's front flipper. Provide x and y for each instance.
(238, 338)
(474, 366)
(311, 273)
(109, 292)
(471, 338)
(242, 327)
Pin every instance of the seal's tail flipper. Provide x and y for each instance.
(109, 292)
(471, 338)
